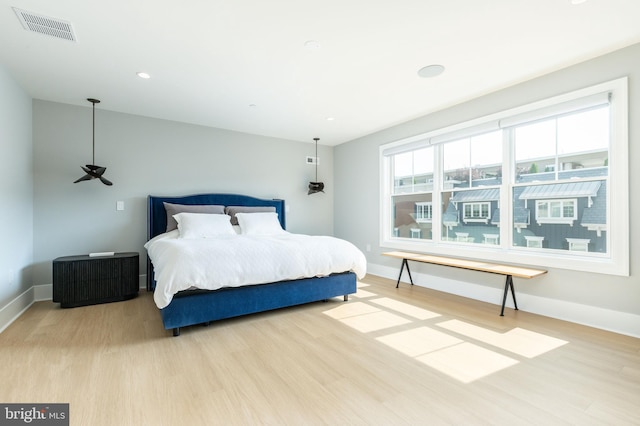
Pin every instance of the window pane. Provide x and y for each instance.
(583, 139)
(413, 171)
(403, 172)
(473, 161)
(423, 161)
(545, 219)
(535, 149)
(412, 216)
(457, 163)
(486, 159)
(567, 210)
(468, 216)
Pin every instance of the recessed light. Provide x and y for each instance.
(431, 71)
(144, 75)
(330, 118)
(311, 44)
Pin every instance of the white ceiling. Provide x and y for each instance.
(211, 59)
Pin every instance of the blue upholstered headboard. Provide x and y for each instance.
(157, 215)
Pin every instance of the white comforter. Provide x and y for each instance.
(236, 260)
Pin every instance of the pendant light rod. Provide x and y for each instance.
(94, 102)
(315, 187)
(316, 139)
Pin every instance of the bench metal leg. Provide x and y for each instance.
(404, 263)
(508, 285)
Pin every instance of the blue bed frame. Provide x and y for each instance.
(203, 306)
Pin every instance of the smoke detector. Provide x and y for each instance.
(46, 25)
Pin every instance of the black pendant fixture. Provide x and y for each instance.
(315, 187)
(92, 171)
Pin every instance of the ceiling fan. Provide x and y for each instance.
(92, 171)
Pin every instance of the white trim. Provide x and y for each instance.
(592, 316)
(15, 308)
(42, 292)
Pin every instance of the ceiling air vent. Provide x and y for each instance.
(45, 25)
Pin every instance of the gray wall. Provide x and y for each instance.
(16, 189)
(148, 156)
(358, 187)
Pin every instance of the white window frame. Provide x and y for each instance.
(614, 262)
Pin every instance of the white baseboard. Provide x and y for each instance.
(37, 293)
(592, 316)
(12, 310)
(42, 292)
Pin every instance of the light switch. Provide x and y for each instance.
(119, 205)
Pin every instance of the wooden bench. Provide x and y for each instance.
(495, 268)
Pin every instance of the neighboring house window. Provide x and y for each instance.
(424, 212)
(556, 211)
(476, 212)
(534, 181)
(578, 244)
(533, 241)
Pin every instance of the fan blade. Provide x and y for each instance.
(94, 172)
(85, 177)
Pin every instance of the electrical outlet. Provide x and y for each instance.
(119, 205)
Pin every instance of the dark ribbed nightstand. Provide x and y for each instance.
(84, 280)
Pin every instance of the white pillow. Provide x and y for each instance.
(202, 225)
(259, 223)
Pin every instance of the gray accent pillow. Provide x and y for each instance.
(232, 210)
(173, 209)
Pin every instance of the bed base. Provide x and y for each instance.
(202, 307)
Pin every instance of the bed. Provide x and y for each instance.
(211, 301)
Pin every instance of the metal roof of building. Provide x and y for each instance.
(492, 194)
(561, 190)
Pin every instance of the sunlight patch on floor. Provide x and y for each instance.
(405, 308)
(466, 362)
(350, 309)
(363, 294)
(375, 321)
(519, 341)
(445, 346)
(419, 341)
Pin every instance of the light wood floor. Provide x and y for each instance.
(388, 357)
